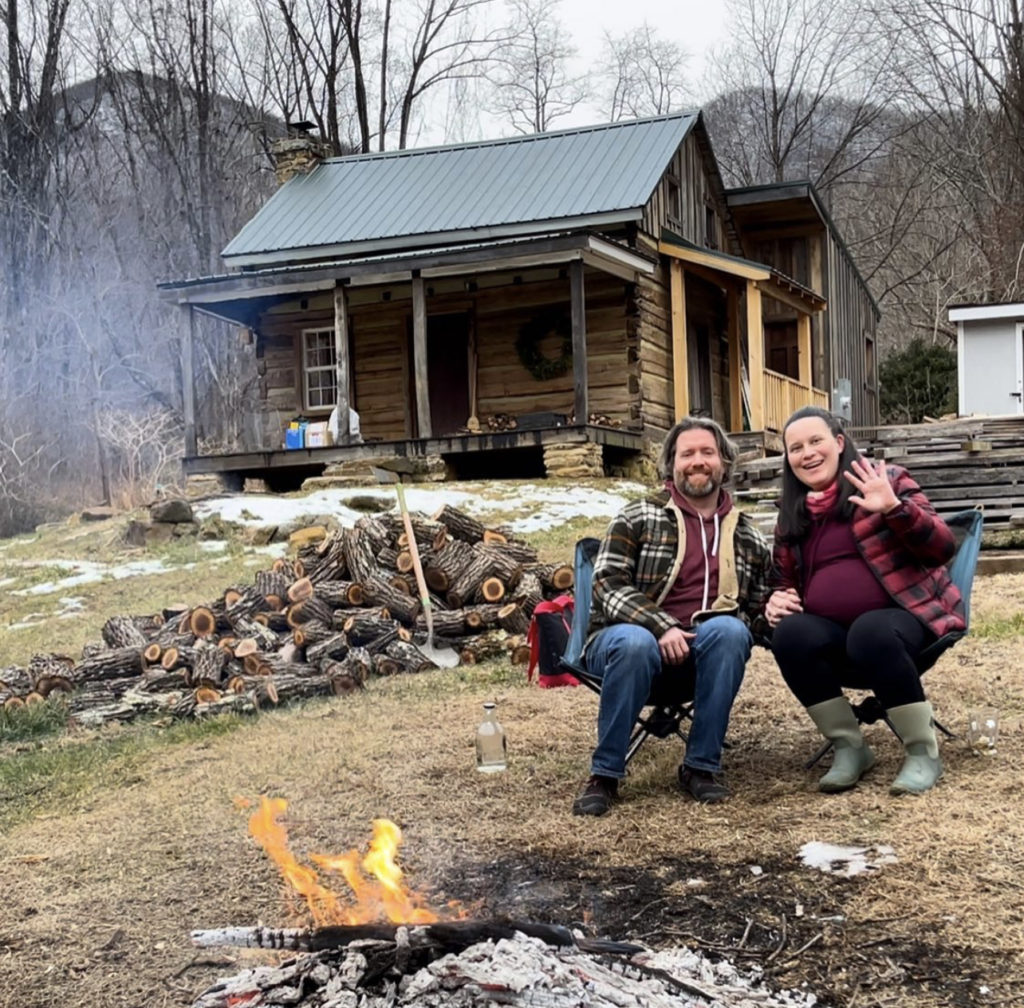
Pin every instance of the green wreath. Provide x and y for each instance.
(528, 344)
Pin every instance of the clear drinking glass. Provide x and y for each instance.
(983, 730)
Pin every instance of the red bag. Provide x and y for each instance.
(548, 635)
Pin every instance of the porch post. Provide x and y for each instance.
(341, 358)
(803, 351)
(419, 357)
(680, 362)
(188, 392)
(579, 341)
(755, 356)
(732, 323)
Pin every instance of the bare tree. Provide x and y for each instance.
(645, 75)
(365, 65)
(803, 89)
(962, 69)
(531, 85)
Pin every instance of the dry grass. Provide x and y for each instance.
(103, 883)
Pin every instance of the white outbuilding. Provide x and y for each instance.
(990, 358)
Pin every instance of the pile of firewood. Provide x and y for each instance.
(344, 609)
(501, 422)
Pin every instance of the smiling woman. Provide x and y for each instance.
(861, 592)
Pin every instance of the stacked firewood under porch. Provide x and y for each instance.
(342, 610)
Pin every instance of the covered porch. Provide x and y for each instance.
(765, 313)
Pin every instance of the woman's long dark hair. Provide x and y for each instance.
(794, 520)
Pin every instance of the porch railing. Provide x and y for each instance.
(782, 396)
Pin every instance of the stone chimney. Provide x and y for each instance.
(298, 153)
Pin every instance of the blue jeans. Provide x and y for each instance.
(627, 660)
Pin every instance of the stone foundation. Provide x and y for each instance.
(387, 469)
(573, 461)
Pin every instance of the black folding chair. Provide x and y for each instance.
(966, 528)
(671, 701)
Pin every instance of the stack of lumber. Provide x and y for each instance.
(501, 422)
(342, 610)
(965, 463)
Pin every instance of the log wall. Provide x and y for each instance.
(382, 387)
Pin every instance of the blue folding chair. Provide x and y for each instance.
(670, 703)
(966, 528)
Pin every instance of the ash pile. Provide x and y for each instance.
(344, 609)
(477, 964)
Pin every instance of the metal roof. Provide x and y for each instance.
(491, 189)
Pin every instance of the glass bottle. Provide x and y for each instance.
(490, 743)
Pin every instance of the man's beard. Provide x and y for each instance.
(706, 488)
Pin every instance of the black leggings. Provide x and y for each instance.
(818, 657)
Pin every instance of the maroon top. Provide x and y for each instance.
(906, 548)
(696, 585)
(839, 584)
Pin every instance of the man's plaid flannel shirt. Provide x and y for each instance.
(638, 556)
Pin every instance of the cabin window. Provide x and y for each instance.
(710, 227)
(319, 369)
(674, 203)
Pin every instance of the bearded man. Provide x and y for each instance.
(680, 585)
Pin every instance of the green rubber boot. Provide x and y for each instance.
(922, 766)
(852, 756)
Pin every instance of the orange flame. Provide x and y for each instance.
(375, 880)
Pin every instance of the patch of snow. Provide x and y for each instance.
(550, 505)
(213, 546)
(7, 581)
(846, 861)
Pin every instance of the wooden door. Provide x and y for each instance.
(448, 372)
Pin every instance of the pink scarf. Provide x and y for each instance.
(821, 503)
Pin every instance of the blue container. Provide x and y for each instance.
(294, 437)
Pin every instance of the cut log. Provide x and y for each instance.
(512, 618)
(445, 565)
(465, 588)
(361, 630)
(271, 583)
(202, 622)
(121, 632)
(47, 685)
(208, 666)
(411, 658)
(312, 632)
(529, 593)
(520, 654)
(109, 665)
(44, 666)
(503, 565)
(448, 623)
(340, 594)
(385, 665)
(402, 583)
(311, 608)
(481, 617)
(244, 604)
(557, 576)
(331, 564)
(402, 607)
(459, 524)
(334, 647)
(478, 648)
(492, 589)
(300, 590)
(151, 653)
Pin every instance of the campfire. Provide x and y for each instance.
(375, 881)
(379, 945)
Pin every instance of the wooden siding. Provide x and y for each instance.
(382, 387)
(849, 321)
(689, 171)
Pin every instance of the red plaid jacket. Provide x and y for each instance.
(906, 549)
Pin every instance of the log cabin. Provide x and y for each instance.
(545, 303)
